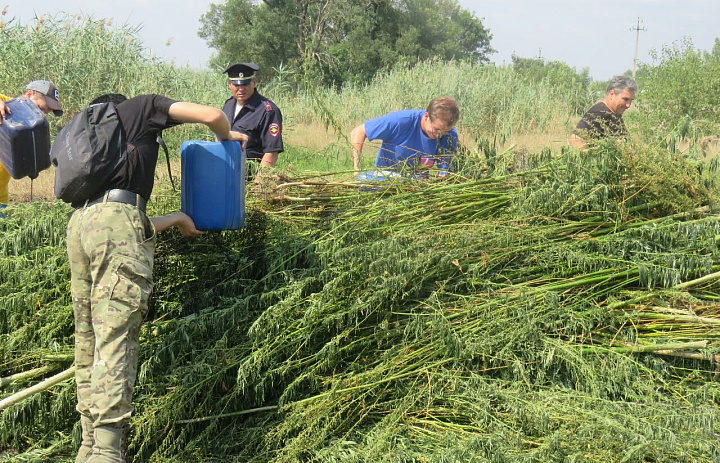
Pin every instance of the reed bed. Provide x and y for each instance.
(494, 101)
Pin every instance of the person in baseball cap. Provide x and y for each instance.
(49, 92)
(45, 96)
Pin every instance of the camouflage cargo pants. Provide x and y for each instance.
(110, 248)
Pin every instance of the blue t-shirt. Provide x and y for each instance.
(404, 142)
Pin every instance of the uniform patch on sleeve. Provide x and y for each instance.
(274, 129)
(268, 106)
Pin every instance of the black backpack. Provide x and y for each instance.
(88, 152)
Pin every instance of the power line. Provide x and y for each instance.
(637, 30)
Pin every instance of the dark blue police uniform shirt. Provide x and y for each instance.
(261, 120)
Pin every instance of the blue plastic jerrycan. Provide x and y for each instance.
(24, 139)
(212, 188)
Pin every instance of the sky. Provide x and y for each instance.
(598, 35)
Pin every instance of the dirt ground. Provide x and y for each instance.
(41, 189)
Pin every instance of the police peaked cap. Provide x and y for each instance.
(241, 73)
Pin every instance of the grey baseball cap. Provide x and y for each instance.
(52, 96)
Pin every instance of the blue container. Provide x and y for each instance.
(24, 139)
(213, 184)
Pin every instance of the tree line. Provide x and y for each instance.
(334, 42)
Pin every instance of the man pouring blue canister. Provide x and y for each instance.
(46, 97)
(254, 115)
(111, 246)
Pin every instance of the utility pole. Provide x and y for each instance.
(637, 30)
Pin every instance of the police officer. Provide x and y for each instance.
(253, 114)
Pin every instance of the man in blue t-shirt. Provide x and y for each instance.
(411, 137)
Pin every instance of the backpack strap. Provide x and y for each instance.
(161, 142)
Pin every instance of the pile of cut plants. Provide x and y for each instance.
(565, 311)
